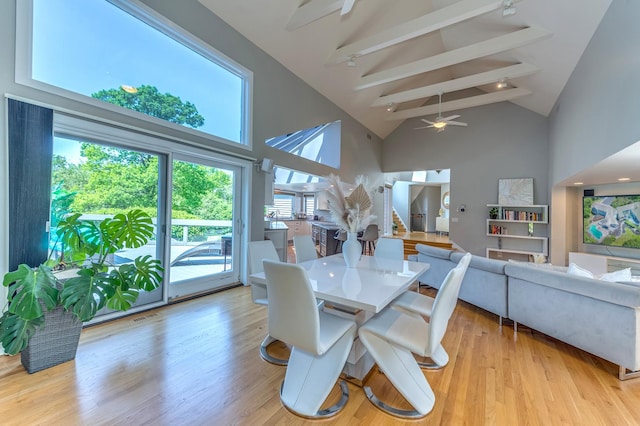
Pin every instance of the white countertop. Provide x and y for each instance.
(274, 225)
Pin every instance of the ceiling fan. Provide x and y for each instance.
(441, 122)
(347, 6)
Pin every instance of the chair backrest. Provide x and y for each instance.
(341, 235)
(390, 248)
(370, 233)
(258, 251)
(445, 301)
(293, 312)
(304, 247)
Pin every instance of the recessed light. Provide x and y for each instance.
(624, 179)
(578, 183)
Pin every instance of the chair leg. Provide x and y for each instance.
(439, 357)
(402, 370)
(309, 379)
(265, 354)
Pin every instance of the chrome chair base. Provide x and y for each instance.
(430, 365)
(325, 412)
(397, 412)
(264, 354)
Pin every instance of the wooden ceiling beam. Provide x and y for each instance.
(458, 104)
(436, 20)
(475, 80)
(313, 11)
(478, 50)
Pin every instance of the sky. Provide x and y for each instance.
(89, 45)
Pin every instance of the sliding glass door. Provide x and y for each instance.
(204, 225)
(99, 180)
(193, 196)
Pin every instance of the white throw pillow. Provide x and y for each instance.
(581, 272)
(621, 275)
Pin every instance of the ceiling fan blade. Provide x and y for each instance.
(452, 117)
(427, 121)
(347, 6)
(423, 127)
(457, 123)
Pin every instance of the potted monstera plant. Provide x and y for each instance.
(45, 306)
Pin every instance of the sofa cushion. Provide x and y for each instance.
(434, 251)
(578, 271)
(625, 295)
(490, 265)
(617, 276)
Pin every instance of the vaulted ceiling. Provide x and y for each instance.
(385, 61)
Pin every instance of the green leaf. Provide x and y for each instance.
(132, 230)
(16, 332)
(148, 273)
(29, 288)
(122, 300)
(87, 293)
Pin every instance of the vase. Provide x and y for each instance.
(351, 250)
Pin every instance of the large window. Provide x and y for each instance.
(320, 144)
(121, 53)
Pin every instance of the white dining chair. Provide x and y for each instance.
(393, 336)
(389, 248)
(304, 247)
(412, 301)
(320, 341)
(258, 251)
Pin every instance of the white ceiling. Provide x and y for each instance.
(406, 51)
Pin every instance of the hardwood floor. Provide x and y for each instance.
(197, 363)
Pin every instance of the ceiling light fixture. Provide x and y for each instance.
(391, 107)
(502, 84)
(624, 179)
(508, 8)
(578, 183)
(129, 89)
(352, 61)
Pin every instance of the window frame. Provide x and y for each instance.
(23, 68)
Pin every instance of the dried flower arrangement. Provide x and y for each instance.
(352, 213)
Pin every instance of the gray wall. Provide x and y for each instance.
(597, 112)
(502, 141)
(595, 117)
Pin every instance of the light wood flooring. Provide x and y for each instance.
(197, 363)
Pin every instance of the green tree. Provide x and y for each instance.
(148, 100)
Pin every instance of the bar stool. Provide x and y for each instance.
(369, 238)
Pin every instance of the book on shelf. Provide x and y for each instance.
(497, 230)
(522, 215)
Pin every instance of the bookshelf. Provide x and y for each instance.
(519, 232)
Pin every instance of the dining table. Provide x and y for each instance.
(357, 293)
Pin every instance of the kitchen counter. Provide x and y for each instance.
(323, 236)
(271, 225)
(330, 226)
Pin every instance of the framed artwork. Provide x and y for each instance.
(515, 192)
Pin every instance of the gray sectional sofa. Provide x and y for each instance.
(599, 317)
(484, 284)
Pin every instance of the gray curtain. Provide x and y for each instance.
(30, 153)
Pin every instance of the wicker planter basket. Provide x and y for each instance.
(53, 344)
